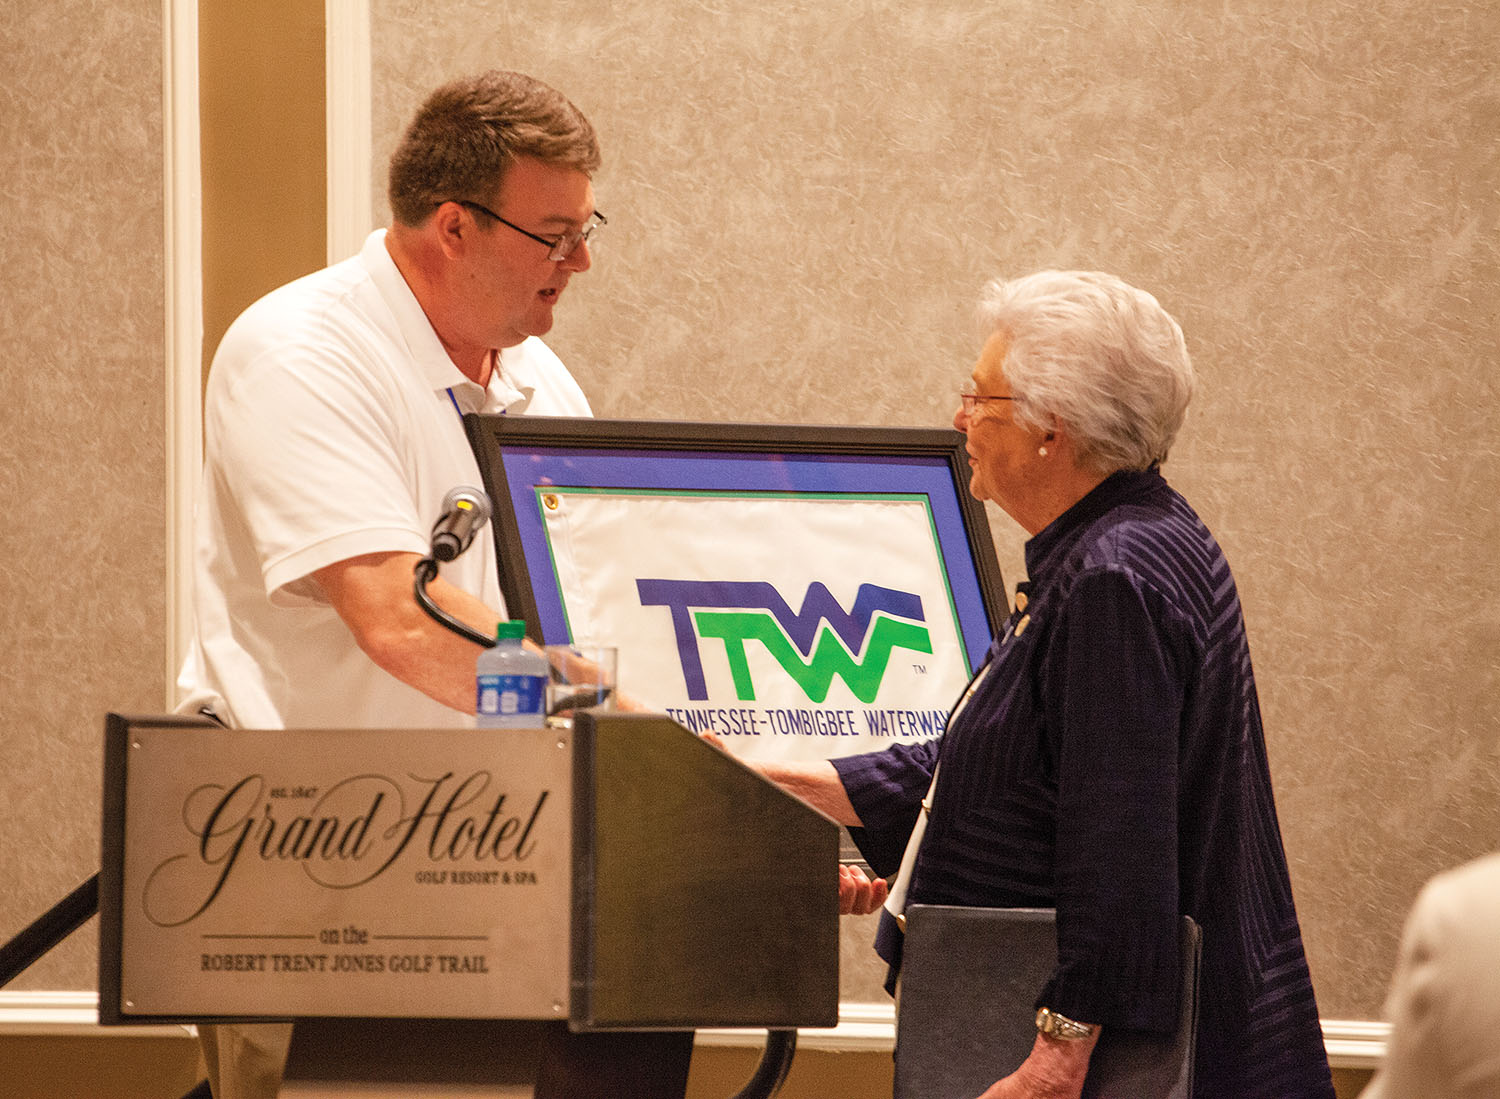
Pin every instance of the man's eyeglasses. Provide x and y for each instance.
(562, 246)
(971, 399)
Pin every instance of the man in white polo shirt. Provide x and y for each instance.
(333, 422)
(333, 432)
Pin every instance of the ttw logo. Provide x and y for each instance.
(812, 645)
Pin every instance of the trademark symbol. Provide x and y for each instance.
(919, 669)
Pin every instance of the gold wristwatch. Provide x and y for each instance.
(1053, 1025)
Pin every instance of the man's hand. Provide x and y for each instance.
(858, 895)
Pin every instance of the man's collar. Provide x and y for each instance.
(422, 342)
(503, 394)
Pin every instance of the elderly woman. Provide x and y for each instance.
(1108, 759)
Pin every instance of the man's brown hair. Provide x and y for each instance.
(468, 133)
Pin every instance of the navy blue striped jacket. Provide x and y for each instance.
(1112, 765)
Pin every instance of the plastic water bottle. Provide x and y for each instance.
(510, 682)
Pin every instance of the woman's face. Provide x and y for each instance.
(1002, 454)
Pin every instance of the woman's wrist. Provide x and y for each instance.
(1056, 1068)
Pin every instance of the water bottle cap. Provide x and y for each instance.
(513, 630)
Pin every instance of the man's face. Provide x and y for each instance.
(513, 285)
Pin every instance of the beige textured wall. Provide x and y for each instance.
(805, 198)
(82, 477)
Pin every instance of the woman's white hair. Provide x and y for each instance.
(1100, 356)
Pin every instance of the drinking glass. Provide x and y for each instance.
(582, 677)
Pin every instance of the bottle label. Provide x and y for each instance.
(511, 695)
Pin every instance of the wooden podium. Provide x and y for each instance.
(546, 912)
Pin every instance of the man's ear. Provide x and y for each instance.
(451, 228)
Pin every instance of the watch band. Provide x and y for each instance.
(1053, 1025)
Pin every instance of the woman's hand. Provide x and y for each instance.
(1017, 1086)
(1054, 1069)
(818, 785)
(858, 895)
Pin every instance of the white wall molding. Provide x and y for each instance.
(872, 1027)
(347, 98)
(182, 194)
(69, 1015)
(1352, 1043)
(863, 1028)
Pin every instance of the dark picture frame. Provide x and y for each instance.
(526, 460)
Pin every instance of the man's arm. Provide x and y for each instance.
(372, 593)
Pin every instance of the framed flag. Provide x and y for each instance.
(804, 592)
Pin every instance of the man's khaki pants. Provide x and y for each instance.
(245, 1060)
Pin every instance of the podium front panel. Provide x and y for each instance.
(703, 894)
(359, 873)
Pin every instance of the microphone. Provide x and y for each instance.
(465, 512)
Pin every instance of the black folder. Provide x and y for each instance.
(969, 980)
